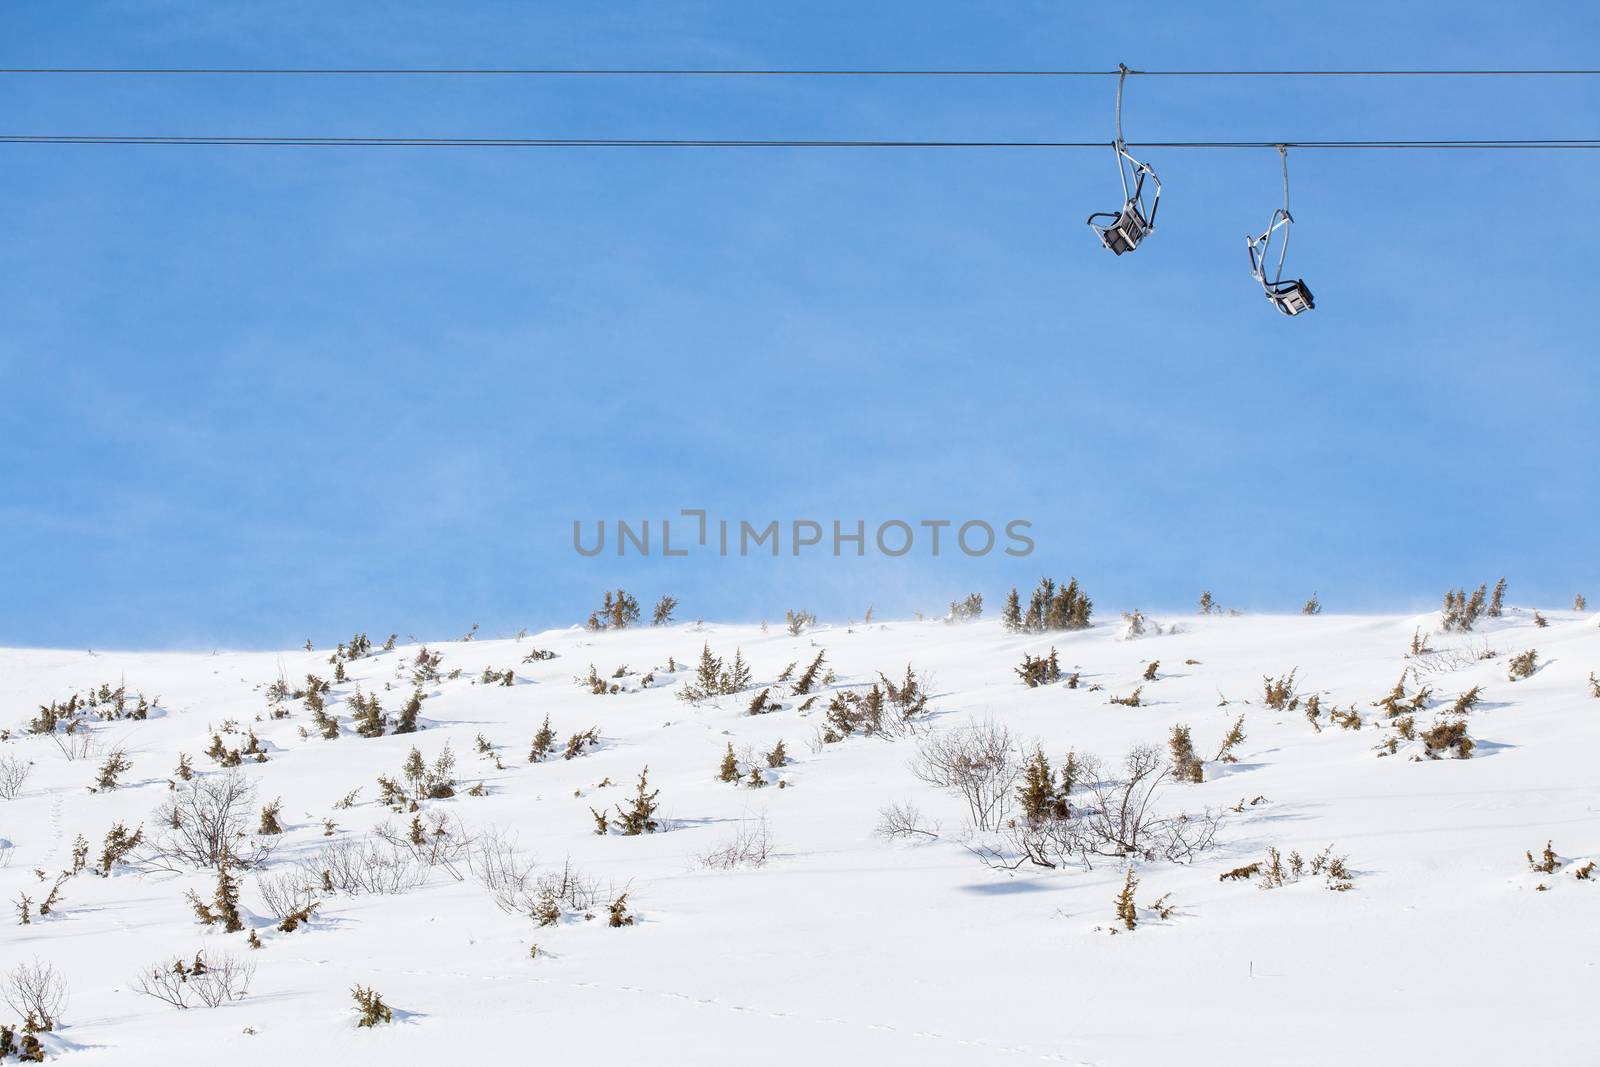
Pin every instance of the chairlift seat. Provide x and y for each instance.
(1291, 297)
(1127, 229)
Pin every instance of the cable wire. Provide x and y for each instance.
(708, 72)
(643, 142)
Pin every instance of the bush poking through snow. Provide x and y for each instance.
(1447, 735)
(370, 1008)
(1230, 741)
(589, 738)
(1039, 670)
(1312, 606)
(1547, 861)
(119, 845)
(639, 817)
(1277, 870)
(544, 742)
(798, 622)
(1279, 693)
(269, 818)
(617, 912)
(116, 764)
(1467, 701)
(1186, 766)
(810, 677)
(1041, 800)
(1132, 700)
(762, 704)
(729, 770)
(1523, 664)
(1127, 910)
(1461, 612)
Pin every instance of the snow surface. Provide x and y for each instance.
(847, 948)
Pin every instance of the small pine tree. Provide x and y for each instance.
(544, 742)
(663, 612)
(1232, 740)
(116, 764)
(1313, 606)
(708, 676)
(1186, 766)
(406, 722)
(1207, 605)
(737, 676)
(1497, 605)
(639, 817)
(777, 757)
(269, 818)
(1127, 910)
(370, 1008)
(618, 912)
(729, 771)
(1011, 614)
(1037, 793)
(808, 677)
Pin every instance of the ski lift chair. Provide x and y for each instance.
(1291, 296)
(1133, 223)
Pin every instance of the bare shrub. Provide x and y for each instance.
(205, 819)
(76, 742)
(750, 846)
(167, 982)
(210, 980)
(498, 866)
(436, 839)
(1115, 815)
(224, 978)
(13, 776)
(286, 893)
(516, 887)
(903, 820)
(366, 865)
(978, 762)
(36, 991)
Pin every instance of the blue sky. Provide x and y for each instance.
(251, 395)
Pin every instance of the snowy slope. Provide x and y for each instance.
(846, 947)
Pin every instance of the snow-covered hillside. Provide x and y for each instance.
(941, 945)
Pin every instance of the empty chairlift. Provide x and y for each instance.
(1123, 230)
(1290, 296)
